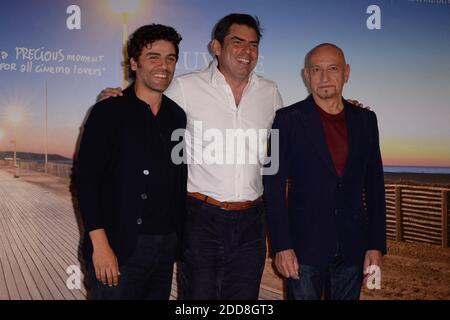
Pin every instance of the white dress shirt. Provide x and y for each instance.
(217, 168)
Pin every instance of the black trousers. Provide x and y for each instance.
(224, 252)
(147, 274)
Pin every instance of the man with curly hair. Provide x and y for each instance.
(130, 193)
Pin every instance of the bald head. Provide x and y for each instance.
(323, 48)
(326, 72)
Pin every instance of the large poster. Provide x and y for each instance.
(56, 56)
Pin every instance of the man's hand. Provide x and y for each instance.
(104, 260)
(358, 104)
(373, 257)
(109, 92)
(287, 264)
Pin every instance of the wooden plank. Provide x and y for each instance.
(426, 202)
(445, 219)
(27, 268)
(4, 295)
(422, 216)
(11, 287)
(430, 209)
(22, 275)
(421, 187)
(43, 265)
(425, 223)
(59, 235)
(419, 240)
(422, 229)
(48, 228)
(57, 251)
(419, 197)
(35, 283)
(422, 212)
(15, 280)
(420, 191)
(412, 234)
(29, 220)
(398, 213)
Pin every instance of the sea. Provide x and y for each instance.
(408, 169)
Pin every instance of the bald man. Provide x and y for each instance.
(324, 235)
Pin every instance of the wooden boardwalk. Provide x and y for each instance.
(40, 239)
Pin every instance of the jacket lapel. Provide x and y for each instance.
(353, 129)
(313, 127)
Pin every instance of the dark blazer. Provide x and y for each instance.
(113, 171)
(325, 211)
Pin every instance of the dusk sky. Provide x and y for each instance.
(402, 71)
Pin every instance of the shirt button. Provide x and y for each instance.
(146, 172)
(139, 221)
(144, 196)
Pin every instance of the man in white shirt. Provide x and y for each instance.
(225, 232)
(224, 242)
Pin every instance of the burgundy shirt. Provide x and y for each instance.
(336, 136)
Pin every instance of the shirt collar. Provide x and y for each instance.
(217, 78)
(131, 94)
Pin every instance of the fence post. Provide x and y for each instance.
(398, 213)
(445, 218)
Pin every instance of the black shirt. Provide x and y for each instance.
(160, 216)
(124, 179)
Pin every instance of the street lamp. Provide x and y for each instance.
(2, 134)
(14, 117)
(124, 8)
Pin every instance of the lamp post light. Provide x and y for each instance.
(124, 8)
(2, 134)
(15, 119)
(46, 129)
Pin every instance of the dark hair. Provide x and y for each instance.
(146, 35)
(222, 28)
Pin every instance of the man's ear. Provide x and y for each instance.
(306, 74)
(215, 47)
(347, 72)
(133, 64)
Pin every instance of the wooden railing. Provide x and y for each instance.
(55, 169)
(418, 213)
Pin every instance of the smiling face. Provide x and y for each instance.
(155, 66)
(326, 72)
(238, 54)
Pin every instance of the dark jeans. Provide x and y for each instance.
(147, 274)
(335, 282)
(224, 252)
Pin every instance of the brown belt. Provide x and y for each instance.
(225, 205)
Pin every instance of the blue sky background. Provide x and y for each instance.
(402, 71)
